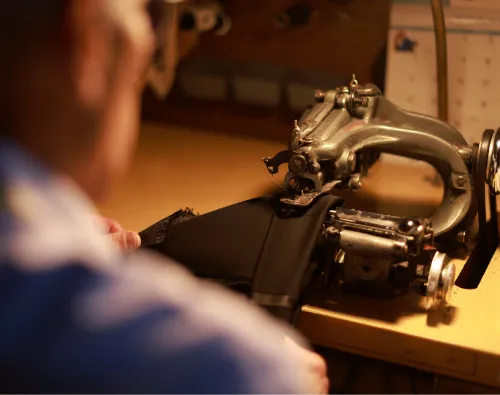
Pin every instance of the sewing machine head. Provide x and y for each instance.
(333, 146)
(343, 134)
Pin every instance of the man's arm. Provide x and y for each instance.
(143, 326)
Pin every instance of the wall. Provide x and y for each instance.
(473, 62)
(345, 37)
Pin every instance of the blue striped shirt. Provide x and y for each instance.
(78, 315)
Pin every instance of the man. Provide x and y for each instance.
(77, 314)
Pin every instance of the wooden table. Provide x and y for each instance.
(463, 341)
(176, 168)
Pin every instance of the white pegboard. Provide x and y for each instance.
(476, 4)
(474, 67)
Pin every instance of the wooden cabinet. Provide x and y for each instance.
(341, 38)
(344, 37)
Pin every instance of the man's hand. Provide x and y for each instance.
(314, 373)
(124, 239)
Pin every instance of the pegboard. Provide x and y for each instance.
(473, 65)
(478, 4)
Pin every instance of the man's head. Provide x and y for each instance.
(72, 73)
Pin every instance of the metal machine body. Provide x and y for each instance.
(339, 138)
(333, 146)
(375, 250)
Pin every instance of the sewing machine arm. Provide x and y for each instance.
(342, 135)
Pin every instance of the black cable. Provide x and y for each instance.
(441, 57)
(352, 374)
(412, 381)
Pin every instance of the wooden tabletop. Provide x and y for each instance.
(180, 167)
(176, 168)
(462, 341)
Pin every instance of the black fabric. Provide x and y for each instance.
(156, 233)
(287, 314)
(223, 244)
(286, 254)
(259, 242)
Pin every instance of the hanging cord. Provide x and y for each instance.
(441, 58)
(271, 177)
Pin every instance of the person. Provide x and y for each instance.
(78, 314)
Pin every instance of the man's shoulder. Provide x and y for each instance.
(147, 325)
(72, 306)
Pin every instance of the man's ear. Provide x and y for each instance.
(90, 47)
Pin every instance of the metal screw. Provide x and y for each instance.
(407, 225)
(460, 180)
(462, 236)
(351, 161)
(465, 153)
(314, 167)
(319, 95)
(355, 182)
(297, 163)
(360, 102)
(354, 81)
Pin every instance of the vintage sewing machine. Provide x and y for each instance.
(273, 248)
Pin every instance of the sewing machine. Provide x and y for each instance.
(272, 249)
